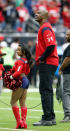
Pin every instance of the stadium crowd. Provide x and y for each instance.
(16, 13)
(15, 16)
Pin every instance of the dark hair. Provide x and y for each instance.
(16, 40)
(27, 52)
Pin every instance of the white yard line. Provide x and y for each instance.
(28, 98)
(61, 112)
(5, 109)
(35, 117)
(3, 123)
(10, 129)
(29, 90)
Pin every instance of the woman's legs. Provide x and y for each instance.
(16, 95)
(22, 101)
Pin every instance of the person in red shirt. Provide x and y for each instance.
(2, 18)
(54, 12)
(47, 60)
(40, 5)
(21, 69)
(1, 70)
(23, 16)
(66, 16)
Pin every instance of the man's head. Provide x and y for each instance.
(21, 5)
(41, 1)
(68, 35)
(30, 43)
(41, 16)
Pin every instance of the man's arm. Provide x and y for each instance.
(65, 63)
(47, 52)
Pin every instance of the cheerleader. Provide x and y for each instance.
(21, 69)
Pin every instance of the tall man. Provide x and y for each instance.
(65, 69)
(47, 59)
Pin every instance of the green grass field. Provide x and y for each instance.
(7, 120)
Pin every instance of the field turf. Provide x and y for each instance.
(7, 120)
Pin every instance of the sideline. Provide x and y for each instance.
(10, 129)
(31, 89)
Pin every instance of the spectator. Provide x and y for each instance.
(10, 13)
(29, 5)
(2, 41)
(54, 13)
(14, 47)
(41, 5)
(66, 16)
(18, 2)
(65, 70)
(1, 70)
(64, 3)
(2, 18)
(8, 59)
(22, 19)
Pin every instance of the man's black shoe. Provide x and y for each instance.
(53, 122)
(43, 123)
(66, 119)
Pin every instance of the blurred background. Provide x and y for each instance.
(17, 25)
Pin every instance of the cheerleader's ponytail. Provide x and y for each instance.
(27, 53)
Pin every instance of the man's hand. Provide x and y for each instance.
(41, 61)
(60, 72)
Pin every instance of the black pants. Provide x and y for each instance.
(46, 73)
(32, 74)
